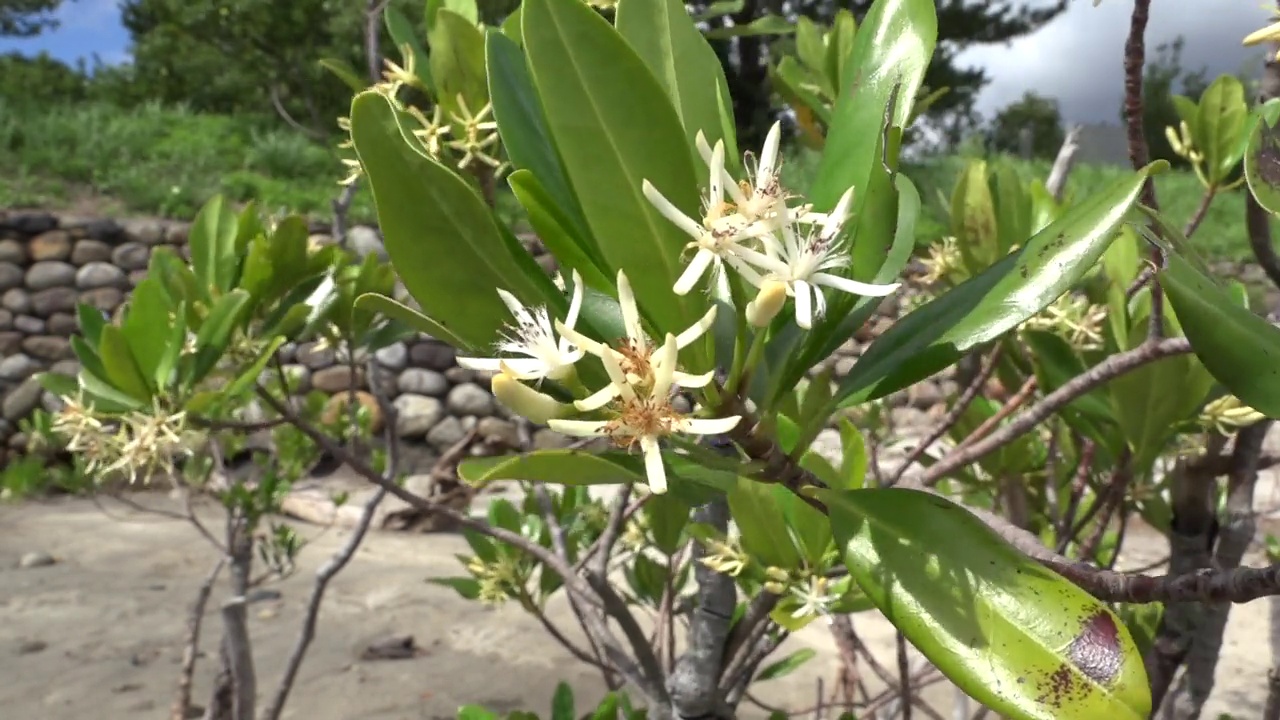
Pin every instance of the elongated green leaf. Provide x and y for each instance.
(562, 703)
(344, 72)
(457, 62)
(104, 397)
(122, 368)
(468, 588)
(663, 35)
(1262, 157)
(667, 515)
(523, 125)
(557, 232)
(786, 665)
(381, 304)
(562, 467)
(215, 333)
(406, 41)
(58, 384)
(466, 8)
(891, 50)
(148, 327)
(426, 213)
(1240, 349)
(250, 375)
(91, 322)
(1223, 117)
(757, 511)
(994, 301)
(212, 239)
(615, 128)
(763, 25)
(1012, 634)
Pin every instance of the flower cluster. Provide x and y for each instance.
(141, 444)
(781, 250)
(634, 409)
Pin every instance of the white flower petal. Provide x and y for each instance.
(853, 286)
(481, 364)
(513, 303)
(630, 313)
(664, 365)
(688, 225)
(769, 156)
(579, 428)
(698, 329)
(598, 399)
(653, 469)
(685, 380)
(707, 426)
(804, 308)
(582, 341)
(715, 186)
(694, 271)
(617, 376)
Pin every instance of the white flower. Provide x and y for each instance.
(758, 200)
(644, 414)
(802, 262)
(635, 357)
(719, 231)
(814, 598)
(533, 337)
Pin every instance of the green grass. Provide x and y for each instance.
(168, 161)
(163, 160)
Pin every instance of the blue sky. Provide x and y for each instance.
(1076, 58)
(87, 27)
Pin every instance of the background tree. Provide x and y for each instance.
(24, 18)
(961, 24)
(1036, 113)
(250, 56)
(1164, 78)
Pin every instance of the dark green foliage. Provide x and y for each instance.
(1033, 112)
(24, 18)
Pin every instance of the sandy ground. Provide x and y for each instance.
(99, 633)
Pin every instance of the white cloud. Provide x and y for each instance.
(1078, 57)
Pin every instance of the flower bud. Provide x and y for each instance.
(769, 301)
(524, 400)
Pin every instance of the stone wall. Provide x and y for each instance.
(51, 262)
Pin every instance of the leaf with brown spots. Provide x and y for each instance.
(1014, 635)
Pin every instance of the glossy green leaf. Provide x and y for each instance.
(57, 384)
(1223, 117)
(211, 240)
(973, 217)
(663, 35)
(249, 376)
(468, 588)
(758, 513)
(91, 321)
(215, 333)
(383, 305)
(148, 328)
(1262, 157)
(426, 212)
(562, 703)
(786, 665)
(853, 465)
(523, 126)
(810, 528)
(465, 8)
(1012, 634)
(891, 52)
(562, 467)
(667, 515)
(407, 43)
(1240, 349)
(120, 364)
(995, 301)
(573, 250)
(457, 62)
(763, 25)
(104, 397)
(615, 128)
(344, 72)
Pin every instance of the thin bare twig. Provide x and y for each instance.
(1013, 403)
(1099, 374)
(954, 414)
(190, 652)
